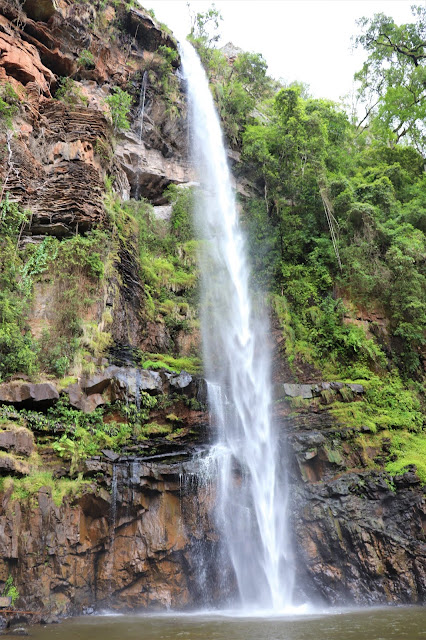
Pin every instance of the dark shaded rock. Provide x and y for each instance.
(145, 30)
(93, 467)
(100, 381)
(40, 9)
(407, 479)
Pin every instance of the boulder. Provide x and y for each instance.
(18, 440)
(75, 394)
(128, 382)
(40, 9)
(356, 388)
(19, 392)
(298, 390)
(181, 382)
(99, 381)
(90, 403)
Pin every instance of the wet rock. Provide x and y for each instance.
(153, 532)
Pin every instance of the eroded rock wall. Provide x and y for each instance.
(125, 543)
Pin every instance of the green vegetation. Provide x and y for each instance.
(119, 104)
(10, 591)
(18, 351)
(86, 59)
(392, 85)
(167, 258)
(71, 93)
(336, 228)
(408, 449)
(9, 104)
(68, 265)
(163, 361)
(28, 487)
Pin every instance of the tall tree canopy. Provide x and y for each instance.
(393, 79)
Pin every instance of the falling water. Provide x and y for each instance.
(251, 503)
(142, 103)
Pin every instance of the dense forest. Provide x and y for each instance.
(336, 225)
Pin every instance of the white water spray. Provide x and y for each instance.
(251, 502)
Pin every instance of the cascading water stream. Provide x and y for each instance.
(142, 103)
(251, 500)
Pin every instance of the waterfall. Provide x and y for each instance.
(142, 103)
(251, 496)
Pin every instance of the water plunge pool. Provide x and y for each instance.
(390, 623)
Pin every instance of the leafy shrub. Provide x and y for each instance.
(70, 93)
(10, 591)
(9, 104)
(86, 59)
(119, 105)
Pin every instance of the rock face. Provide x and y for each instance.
(63, 149)
(132, 546)
(136, 534)
(360, 539)
(358, 533)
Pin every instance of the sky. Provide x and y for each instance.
(304, 40)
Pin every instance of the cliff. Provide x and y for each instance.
(103, 404)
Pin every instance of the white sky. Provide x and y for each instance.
(304, 40)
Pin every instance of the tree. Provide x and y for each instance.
(393, 79)
(204, 30)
